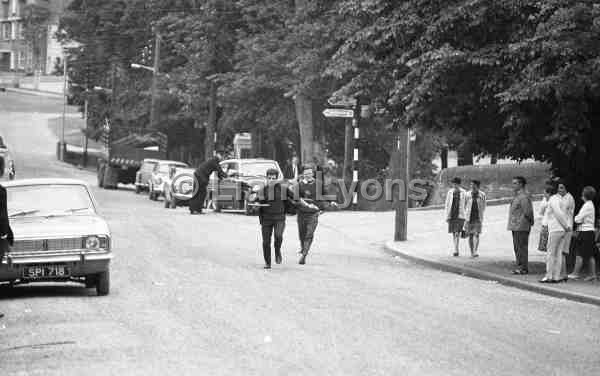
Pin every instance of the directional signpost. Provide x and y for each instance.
(338, 113)
(351, 111)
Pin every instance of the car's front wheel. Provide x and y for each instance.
(103, 283)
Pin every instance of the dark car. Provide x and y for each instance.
(242, 175)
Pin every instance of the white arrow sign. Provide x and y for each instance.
(338, 113)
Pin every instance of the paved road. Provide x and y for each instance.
(190, 297)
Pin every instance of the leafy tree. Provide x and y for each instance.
(35, 31)
(516, 77)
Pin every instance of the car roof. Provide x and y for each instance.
(163, 161)
(250, 160)
(150, 160)
(43, 181)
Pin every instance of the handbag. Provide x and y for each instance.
(543, 244)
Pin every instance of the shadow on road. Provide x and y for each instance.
(45, 291)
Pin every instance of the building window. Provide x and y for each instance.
(19, 30)
(21, 60)
(6, 30)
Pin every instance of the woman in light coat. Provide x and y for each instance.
(558, 228)
(475, 204)
(455, 212)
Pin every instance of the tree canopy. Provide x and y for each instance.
(515, 78)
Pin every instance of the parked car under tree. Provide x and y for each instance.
(59, 236)
(160, 174)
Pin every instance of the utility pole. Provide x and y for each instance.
(347, 150)
(154, 81)
(84, 156)
(211, 129)
(400, 170)
(64, 114)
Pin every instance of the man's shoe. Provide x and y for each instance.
(1, 315)
(278, 259)
(302, 260)
(267, 266)
(520, 272)
(573, 276)
(455, 254)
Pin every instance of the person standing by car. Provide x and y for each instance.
(6, 234)
(520, 220)
(201, 180)
(311, 203)
(272, 216)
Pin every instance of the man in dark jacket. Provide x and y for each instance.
(201, 180)
(272, 217)
(312, 202)
(6, 234)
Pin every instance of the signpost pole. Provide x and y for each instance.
(355, 163)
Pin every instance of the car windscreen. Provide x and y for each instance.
(257, 168)
(43, 200)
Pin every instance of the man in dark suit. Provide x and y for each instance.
(292, 169)
(201, 180)
(6, 234)
(272, 217)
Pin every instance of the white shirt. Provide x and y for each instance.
(557, 218)
(586, 217)
(568, 206)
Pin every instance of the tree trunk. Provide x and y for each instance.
(211, 128)
(465, 155)
(444, 157)
(306, 127)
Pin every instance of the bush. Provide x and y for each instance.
(496, 180)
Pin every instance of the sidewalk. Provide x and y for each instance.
(496, 258)
(47, 94)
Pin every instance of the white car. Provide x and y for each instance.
(59, 236)
(159, 175)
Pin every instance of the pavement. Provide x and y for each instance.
(39, 93)
(189, 297)
(496, 258)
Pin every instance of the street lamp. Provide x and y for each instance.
(155, 72)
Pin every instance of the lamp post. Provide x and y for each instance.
(155, 73)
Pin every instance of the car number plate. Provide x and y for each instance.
(46, 271)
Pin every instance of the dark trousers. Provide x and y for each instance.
(269, 228)
(197, 201)
(521, 247)
(307, 224)
(3, 248)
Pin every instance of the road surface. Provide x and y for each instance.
(189, 297)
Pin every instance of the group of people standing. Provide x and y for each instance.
(560, 226)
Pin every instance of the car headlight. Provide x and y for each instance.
(92, 242)
(96, 242)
